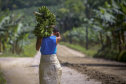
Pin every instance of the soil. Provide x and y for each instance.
(108, 72)
(25, 71)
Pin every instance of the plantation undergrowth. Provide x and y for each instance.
(2, 79)
(29, 51)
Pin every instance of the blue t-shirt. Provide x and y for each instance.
(48, 45)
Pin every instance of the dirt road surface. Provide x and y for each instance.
(77, 69)
(108, 72)
(25, 70)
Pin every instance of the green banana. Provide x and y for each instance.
(45, 21)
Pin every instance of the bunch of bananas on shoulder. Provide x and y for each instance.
(45, 22)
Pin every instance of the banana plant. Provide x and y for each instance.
(11, 31)
(112, 16)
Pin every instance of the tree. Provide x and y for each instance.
(68, 16)
(18, 4)
(112, 16)
(90, 6)
(11, 31)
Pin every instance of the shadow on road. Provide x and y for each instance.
(34, 66)
(94, 64)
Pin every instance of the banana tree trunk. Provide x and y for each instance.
(17, 48)
(122, 41)
(101, 38)
(87, 15)
(3, 46)
(6, 37)
(123, 37)
(13, 50)
(86, 38)
(108, 41)
(70, 26)
(0, 44)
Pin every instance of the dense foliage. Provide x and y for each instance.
(101, 22)
(12, 33)
(16, 28)
(2, 79)
(83, 22)
(18, 4)
(113, 18)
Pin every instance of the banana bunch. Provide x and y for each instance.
(46, 20)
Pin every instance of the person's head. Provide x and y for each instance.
(55, 30)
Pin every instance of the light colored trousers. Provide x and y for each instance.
(50, 70)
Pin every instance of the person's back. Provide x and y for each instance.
(48, 45)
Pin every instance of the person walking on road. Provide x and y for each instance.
(50, 70)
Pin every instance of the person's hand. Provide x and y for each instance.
(58, 37)
(57, 34)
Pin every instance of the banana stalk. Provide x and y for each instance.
(38, 14)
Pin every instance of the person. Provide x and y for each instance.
(50, 70)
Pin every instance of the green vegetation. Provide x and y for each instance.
(107, 53)
(29, 51)
(91, 52)
(112, 16)
(19, 4)
(20, 25)
(97, 23)
(13, 33)
(122, 56)
(78, 34)
(2, 79)
(87, 23)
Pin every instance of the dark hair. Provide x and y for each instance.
(55, 29)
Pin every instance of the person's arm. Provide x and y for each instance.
(38, 43)
(58, 37)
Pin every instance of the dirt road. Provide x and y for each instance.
(108, 72)
(25, 70)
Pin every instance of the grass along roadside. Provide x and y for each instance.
(29, 51)
(2, 79)
(90, 52)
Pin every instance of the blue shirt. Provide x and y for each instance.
(48, 45)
